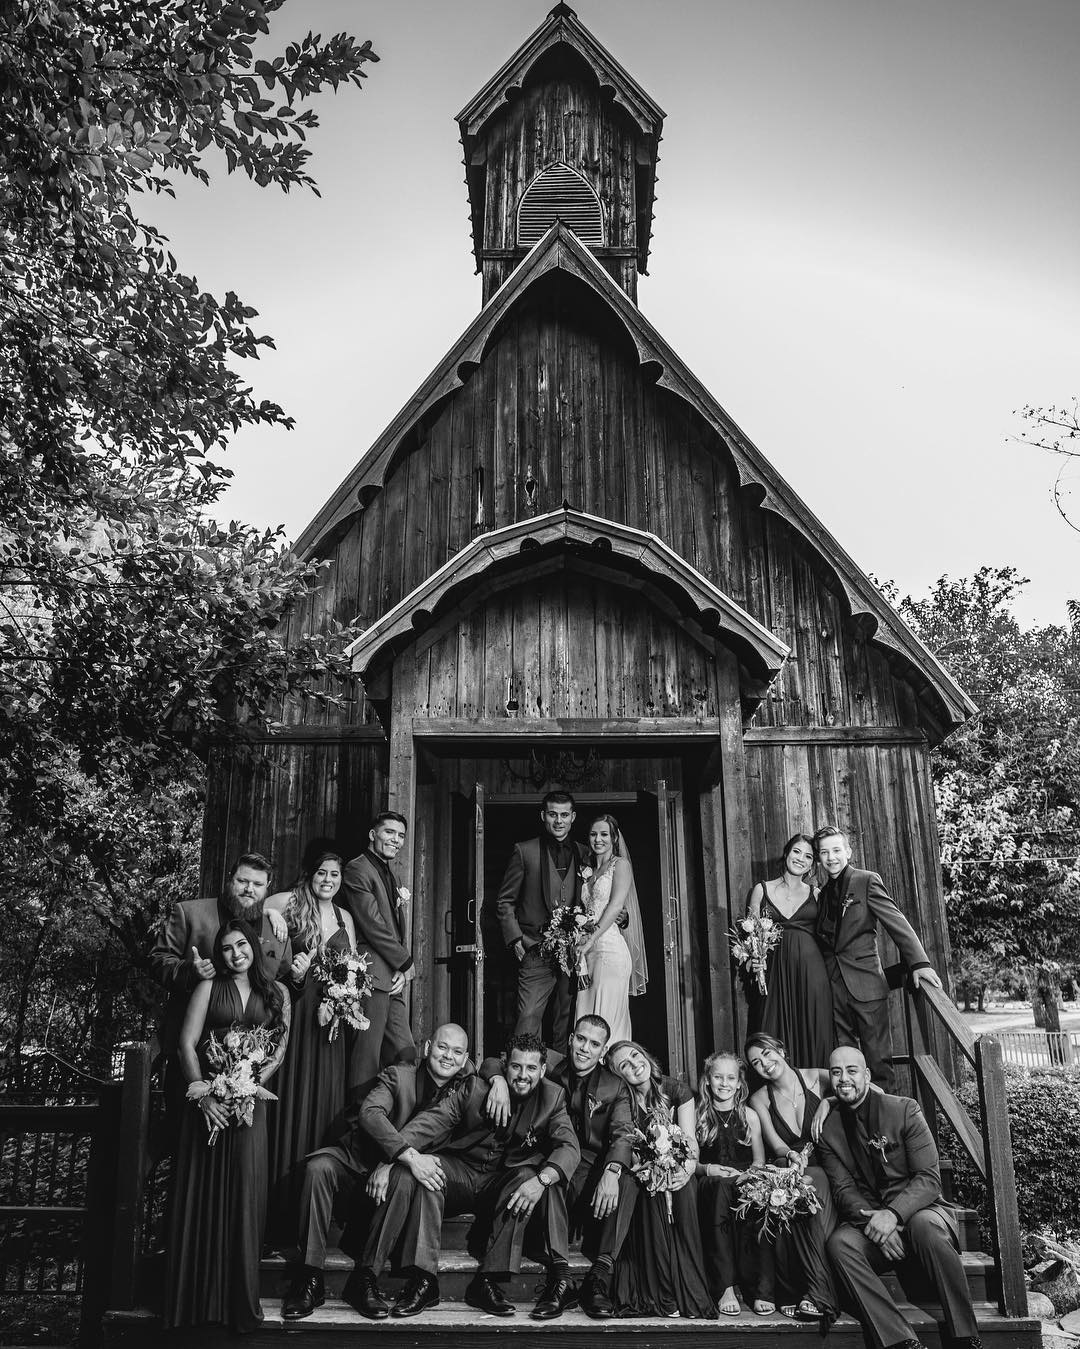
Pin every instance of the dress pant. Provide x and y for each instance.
(600, 1236)
(866, 1026)
(408, 1224)
(538, 983)
(931, 1251)
(330, 1181)
(387, 1040)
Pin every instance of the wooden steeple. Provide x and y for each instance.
(561, 132)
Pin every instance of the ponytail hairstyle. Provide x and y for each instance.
(259, 976)
(708, 1121)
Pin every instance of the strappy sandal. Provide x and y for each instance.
(808, 1310)
(729, 1306)
(764, 1307)
(789, 1309)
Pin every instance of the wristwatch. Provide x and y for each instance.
(545, 1183)
(614, 1167)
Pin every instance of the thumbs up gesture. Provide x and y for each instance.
(204, 969)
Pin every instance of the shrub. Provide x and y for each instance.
(1044, 1119)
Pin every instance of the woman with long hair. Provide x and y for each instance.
(786, 1107)
(730, 1143)
(660, 1270)
(797, 1006)
(319, 1073)
(218, 1216)
(615, 963)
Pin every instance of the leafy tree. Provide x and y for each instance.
(1057, 431)
(1007, 784)
(133, 626)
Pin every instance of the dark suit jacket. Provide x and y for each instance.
(910, 1179)
(539, 1133)
(400, 1093)
(524, 904)
(195, 922)
(379, 921)
(853, 957)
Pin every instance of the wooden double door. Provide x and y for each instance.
(482, 973)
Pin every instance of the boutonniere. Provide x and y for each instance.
(879, 1143)
(848, 901)
(585, 873)
(593, 1103)
(403, 896)
(529, 1141)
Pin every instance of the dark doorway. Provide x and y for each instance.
(505, 822)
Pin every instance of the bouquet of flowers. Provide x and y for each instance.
(661, 1151)
(778, 1194)
(570, 928)
(751, 941)
(235, 1061)
(346, 983)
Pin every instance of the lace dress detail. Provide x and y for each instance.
(609, 965)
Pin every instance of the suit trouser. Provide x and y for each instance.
(387, 1040)
(931, 1250)
(538, 983)
(330, 1181)
(865, 1025)
(600, 1236)
(412, 1216)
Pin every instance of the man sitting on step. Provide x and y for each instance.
(455, 1159)
(601, 1193)
(333, 1176)
(882, 1165)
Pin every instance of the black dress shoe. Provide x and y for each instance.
(556, 1295)
(306, 1292)
(421, 1291)
(486, 1296)
(595, 1300)
(361, 1292)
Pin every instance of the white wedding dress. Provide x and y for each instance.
(609, 964)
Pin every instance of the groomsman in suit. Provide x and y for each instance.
(882, 1166)
(377, 904)
(542, 874)
(602, 1192)
(512, 1177)
(333, 1175)
(852, 905)
(180, 958)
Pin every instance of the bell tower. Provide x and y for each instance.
(561, 132)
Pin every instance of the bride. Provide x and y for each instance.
(615, 964)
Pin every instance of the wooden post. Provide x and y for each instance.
(98, 1225)
(1000, 1176)
(133, 1162)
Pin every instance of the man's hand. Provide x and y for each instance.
(519, 950)
(410, 974)
(498, 1103)
(606, 1195)
(821, 1114)
(525, 1198)
(301, 963)
(379, 1182)
(881, 1223)
(204, 969)
(427, 1169)
(278, 926)
(397, 982)
(925, 976)
(893, 1247)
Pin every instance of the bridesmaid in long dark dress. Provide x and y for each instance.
(797, 1008)
(216, 1227)
(317, 1076)
(730, 1142)
(786, 1106)
(660, 1270)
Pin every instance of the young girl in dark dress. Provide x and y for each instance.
(319, 1074)
(660, 1270)
(797, 1006)
(730, 1142)
(786, 1106)
(216, 1227)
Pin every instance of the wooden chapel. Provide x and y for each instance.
(573, 569)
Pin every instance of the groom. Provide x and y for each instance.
(543, 873)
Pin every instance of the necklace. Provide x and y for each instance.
(726, 1118)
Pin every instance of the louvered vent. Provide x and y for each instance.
(560, 193)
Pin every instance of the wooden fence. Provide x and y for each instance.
(1040, 1048)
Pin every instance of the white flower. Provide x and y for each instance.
(581, 919)
(403, 895)
(777, 1199)
(585, 873)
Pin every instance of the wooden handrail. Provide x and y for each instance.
(935, 1081)
(948, 1014)
(1000, 1175)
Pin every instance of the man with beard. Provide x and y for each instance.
(512, 1177)
(333, 1175)
(180, 958)
(882, 1166)
(601, 1192)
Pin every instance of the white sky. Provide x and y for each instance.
(865, 245)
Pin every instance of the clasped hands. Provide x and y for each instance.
(884, 1230)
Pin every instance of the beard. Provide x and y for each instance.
(235, 908)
